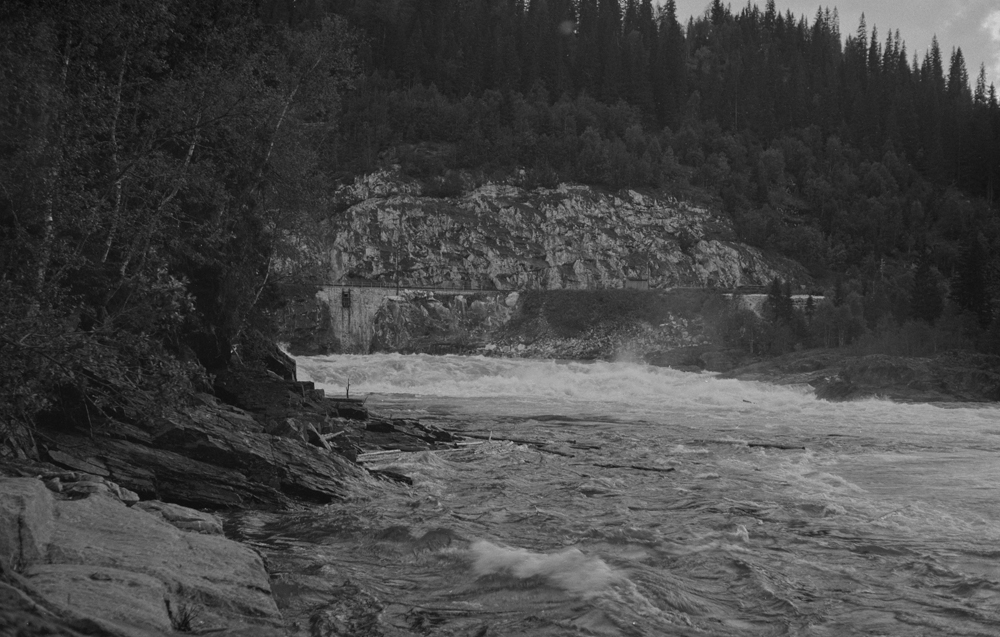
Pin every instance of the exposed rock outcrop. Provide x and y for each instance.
(220, 456)
(502, 237)
(80, 554)
(95, 566)
(507, 237)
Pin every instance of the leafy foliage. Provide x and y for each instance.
(158, 162)
(162, 164)
(573, 312)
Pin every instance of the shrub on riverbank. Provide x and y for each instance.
(877, 321)
(573, 312)
(155, 160)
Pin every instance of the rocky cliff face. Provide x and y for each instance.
(421, 321)
(672, 328)
(504, 236)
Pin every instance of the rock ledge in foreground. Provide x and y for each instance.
(95, 566)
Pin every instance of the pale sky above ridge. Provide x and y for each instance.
(972, 25)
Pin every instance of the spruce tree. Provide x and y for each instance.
(926, 303)
(787, 305)
(774, 299)
(969, 290)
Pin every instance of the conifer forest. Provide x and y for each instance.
(157, 159)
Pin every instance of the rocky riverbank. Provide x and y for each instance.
(114, 530)
(111, 531)
(950, 377)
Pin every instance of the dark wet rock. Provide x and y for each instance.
(380, 426)
(393, 476)
(349, 408)
(168, 475)
(183, 518)
(66, 528)
(217, 457)
(296, 468)
(294, 429)
(257, 392)
(271, 399)
(402, 434)
(89, 465)
(279, 363)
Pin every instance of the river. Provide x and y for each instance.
(665, 503)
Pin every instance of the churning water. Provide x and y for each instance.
(782, 515)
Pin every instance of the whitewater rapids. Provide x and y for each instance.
(678, 504)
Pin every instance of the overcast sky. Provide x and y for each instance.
(972, 25)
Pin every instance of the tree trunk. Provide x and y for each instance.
(50, 184)
(116, 170)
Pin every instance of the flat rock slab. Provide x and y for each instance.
(107, 569)
(182, 517)
(297, 469)
(168, 475)
(120, 600)
(226, 580)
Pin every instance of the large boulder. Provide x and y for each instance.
(108, 569)
(183, 518)
(26, 518)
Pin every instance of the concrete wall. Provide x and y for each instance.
(353, 323)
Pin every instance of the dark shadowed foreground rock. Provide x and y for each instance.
(218, 456)
(98, 540)
(947, 377)
(196, 464)
(95, 566)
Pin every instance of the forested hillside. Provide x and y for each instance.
(157, 160)
(875, 169)
(152, 157)
(840, 153)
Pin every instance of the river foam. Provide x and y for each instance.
(641, 390)
(570, 569)
(653, 502)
